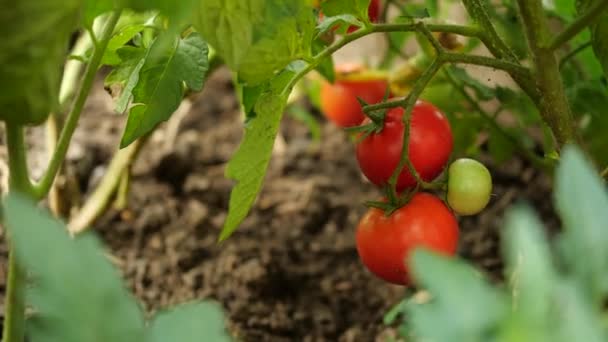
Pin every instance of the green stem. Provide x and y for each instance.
(14, 318)
(375, 28)
(553, 105)
(43, 187)
(496, 45)
(479, 14)
(604, 173)
(582, 22)
(408, 105)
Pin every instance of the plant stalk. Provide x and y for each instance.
(14, 319)
(553, 104)
(579, 24)
(43, 187)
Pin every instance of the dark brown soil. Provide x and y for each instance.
(291, 271)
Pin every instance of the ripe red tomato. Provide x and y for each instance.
(429, 148)
(384, 243)
(339, 100)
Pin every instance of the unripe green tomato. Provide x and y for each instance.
(469, 186)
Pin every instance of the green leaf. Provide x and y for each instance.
(466, 306)
(564, 8)
(248, 165)
(326, 67)
(33, 49)
(599, 33)
(126, 74)
(93, 9)
(482, 91)
(520, 105)
(530, 268)
(357, 8)
(160, 88)
(581, 200)
(257, 38)
(117, 41)
(578, 320)
(77, 294)
(432, 6)
(193, 322)
(338, 21)
(501, 149)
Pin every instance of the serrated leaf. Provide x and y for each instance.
(33, 49)
(248, 165)
(529, 268)
(257, 38)
(581, 200)
(357, 8)
(77, 294)
(193, 322)
(160, 88)
(465, 304)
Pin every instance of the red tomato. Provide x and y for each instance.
(339, 100)
(384, 243)
(429, 148)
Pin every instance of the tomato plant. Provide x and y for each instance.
(339, 100)
(553, 54)
(385, 242)
(469, 186)
(430, 145)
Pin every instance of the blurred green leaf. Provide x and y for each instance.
(326, 67)
(520, 105)
(33, 49)
(463, 304)
(599, 33)
(482, 91)
(581, 200)
(530, 268)
(432, 6)
(577, 320)
(77, 294)
(257, 38)
(94, 8)
(501, 149)
(160, 87)
(193, 322)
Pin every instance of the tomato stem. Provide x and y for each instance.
(581, 23)
(43, 187)
(553, 105)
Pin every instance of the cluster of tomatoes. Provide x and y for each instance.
(385, 237)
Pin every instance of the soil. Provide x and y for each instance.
(291, 271)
